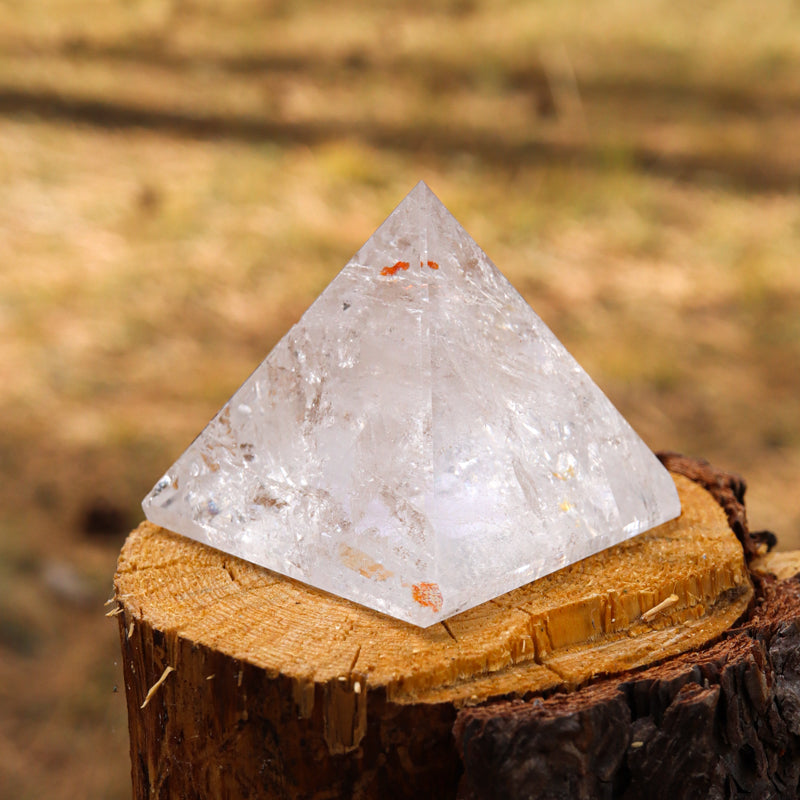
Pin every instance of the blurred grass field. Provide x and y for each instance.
(179, 180)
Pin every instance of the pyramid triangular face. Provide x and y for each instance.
(419, 442)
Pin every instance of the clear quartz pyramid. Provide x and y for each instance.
(419, 442)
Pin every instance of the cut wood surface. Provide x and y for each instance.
(256, 685)
(781, 565)
(669, 589)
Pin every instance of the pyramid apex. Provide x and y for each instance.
(421, 190)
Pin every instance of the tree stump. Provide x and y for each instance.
(241, 683)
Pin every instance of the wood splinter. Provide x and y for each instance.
(155, 687)
(660, 608)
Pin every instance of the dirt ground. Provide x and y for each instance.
(179, 179)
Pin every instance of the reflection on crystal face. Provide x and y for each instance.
(419, 442)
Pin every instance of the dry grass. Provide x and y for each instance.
(178, 180)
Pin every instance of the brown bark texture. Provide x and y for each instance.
(225, 704)
(721, 722)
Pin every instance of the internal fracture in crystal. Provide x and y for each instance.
(419, 442)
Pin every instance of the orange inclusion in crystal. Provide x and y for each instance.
(428, 594)
(395, 269)
(433, 265)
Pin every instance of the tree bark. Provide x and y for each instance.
(241, 683)
(721, 722)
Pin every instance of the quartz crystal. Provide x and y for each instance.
(419, 442)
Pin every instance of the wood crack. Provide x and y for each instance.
(353, 662)
(449, 631)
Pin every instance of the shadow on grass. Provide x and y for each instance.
(649, 90)
(503, 152)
